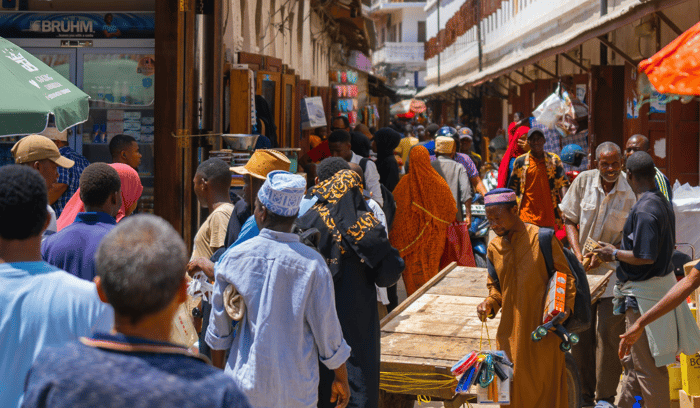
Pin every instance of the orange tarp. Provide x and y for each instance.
(676, 68)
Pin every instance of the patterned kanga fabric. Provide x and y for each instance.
(345, 222)
(424, 209)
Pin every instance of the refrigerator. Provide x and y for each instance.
(117, 73)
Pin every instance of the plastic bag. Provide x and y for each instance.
(550, 110)
(686, 207)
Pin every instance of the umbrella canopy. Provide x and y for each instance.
(407, 106)
(30, 91)
(676, 68)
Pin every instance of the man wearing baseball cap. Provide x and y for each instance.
(271, 309)
(68, 178)
(41, 154)
(466, 143)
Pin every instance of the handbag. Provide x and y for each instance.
(458, 247)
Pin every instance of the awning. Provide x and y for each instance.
(564, 40)
(676, 68)
(433, 89)
(570, 38)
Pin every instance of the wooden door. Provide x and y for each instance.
(240, 94)
(607, 106)
(255, 62)
(287, 111)
(268, 85)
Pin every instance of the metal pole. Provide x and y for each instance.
(478, 32)
(603, 48)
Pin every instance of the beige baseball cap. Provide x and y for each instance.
(53, 134)
(262, 162)
(36, 147)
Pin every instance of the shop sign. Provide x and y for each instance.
(77, 25)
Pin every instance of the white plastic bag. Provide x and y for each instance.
(686, 206)
(549, 111)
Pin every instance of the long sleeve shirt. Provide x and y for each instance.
(371, 178)
(289, 322)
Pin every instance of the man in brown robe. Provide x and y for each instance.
(539, 378)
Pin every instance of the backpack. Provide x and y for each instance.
(581, 316)
(389, 206)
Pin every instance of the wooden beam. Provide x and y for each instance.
(669, 23)
(538, 66)
(573, 61)
(512, 80)
(618, 51)
(524, 76)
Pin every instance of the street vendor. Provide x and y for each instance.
(539, 377)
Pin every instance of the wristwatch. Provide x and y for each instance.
(615, 255)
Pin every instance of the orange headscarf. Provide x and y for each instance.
(424, 209)
(131, 192)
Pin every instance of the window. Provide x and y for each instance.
(400, 33)
(421, 31)
(383, 35)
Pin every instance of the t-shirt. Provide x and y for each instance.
(100, 373)
(212, 234)
(70, 177)
(41, 306)
(52, 228)
(73, 248)
(649, 232)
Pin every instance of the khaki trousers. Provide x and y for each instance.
(642, 377)
(599, 344)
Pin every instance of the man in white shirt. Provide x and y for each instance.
(596, 206)
(339, 145)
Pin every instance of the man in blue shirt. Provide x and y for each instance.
(73, 248)
(68, 178)
(40, 305)
(141, 273)
(280, 291)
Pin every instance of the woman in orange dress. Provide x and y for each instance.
(424, 209)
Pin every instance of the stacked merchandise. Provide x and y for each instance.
(345, 102)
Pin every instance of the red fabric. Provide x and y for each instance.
(319, 152)
(131, 192)
(458, 247)
(512, 152)
(676, 68)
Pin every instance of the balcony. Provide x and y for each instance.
(387, 5)
(399, 53)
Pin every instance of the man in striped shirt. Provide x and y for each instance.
(640, 143)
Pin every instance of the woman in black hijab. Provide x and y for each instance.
(385, 141)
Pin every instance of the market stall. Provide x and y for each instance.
(433, 329)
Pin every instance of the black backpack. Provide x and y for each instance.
(581, 316)
(389, 206)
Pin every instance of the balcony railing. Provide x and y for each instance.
(399, 53)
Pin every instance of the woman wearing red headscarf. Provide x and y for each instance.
(131, 192)
(424, 209)
(517, 131)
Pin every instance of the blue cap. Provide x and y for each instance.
(282, 192)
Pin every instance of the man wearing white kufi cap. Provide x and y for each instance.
(277, 290)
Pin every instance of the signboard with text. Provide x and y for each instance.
(77, 25)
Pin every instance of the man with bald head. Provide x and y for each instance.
(596, 207)
(640, 143)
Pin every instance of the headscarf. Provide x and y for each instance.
(360, 144)
(131, 189)
(513, 151)
(387, 139)
(345, 222)
(425, 208)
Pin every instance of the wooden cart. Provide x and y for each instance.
(435, 327)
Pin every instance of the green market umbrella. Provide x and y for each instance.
(30, 91)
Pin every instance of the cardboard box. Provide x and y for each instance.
(115, 127)
(132, 116)
(132, 125)
(690, 374)
(688, 401)
(147, 120)
(556, 295)
(675, 382)
(115, 115)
